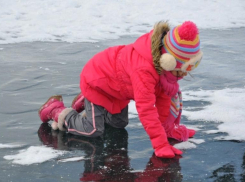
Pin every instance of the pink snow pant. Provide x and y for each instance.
(93, 124)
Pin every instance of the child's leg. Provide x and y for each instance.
(78, 103)
(119, 120)
(91, 125)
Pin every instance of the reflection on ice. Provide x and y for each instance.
(224, 173)
(107, 159)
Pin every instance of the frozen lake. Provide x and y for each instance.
(213, 105)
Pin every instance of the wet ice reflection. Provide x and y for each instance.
(107, 159)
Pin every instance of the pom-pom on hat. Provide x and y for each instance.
(181, 48)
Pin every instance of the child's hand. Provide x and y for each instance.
(167, 151)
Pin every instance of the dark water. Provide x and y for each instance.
(32, 72)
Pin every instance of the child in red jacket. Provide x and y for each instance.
(146, 71)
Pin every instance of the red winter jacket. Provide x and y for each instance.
(119, 74)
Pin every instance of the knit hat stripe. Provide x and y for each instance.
(184, 55)
(182, 45)
(185, 42)
(193, 49)
(177, 57)
(186, 45)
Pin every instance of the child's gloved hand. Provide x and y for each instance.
(167, 151)
(169, 89)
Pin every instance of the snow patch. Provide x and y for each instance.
(34, 155)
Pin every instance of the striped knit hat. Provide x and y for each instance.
(181, 48)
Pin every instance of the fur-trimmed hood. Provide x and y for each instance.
(160, 30)
(149, 45)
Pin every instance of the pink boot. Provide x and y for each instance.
(54, 109)
(78, 103)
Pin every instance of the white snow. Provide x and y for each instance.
(72, 159)
(196, 141)
(185, 145)
(34, 155)
(190, 144)
(94, 20)
(11, 145)
(226, 108)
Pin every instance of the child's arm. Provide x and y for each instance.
(163, 103)
(144, 94)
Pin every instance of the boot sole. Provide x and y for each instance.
(57, 97)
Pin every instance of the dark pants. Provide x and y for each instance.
(93, 124)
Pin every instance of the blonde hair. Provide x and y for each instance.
(160, 30)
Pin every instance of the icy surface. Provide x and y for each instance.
(32, 72)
